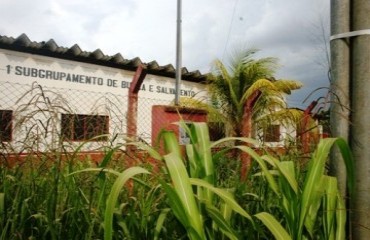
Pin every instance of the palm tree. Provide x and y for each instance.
(245, 90)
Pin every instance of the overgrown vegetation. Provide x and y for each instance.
(195, 195)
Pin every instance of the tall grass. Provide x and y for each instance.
(78, 204)
(58, 198)
(41, 203)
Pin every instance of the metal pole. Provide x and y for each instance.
(178, 53)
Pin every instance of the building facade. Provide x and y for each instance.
(57, 98)
(53, 97)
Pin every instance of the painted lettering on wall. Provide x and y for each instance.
(90, 80)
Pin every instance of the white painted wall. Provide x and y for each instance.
(108, 96)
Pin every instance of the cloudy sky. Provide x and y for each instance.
(294, 31)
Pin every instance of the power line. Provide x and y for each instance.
(230, 27)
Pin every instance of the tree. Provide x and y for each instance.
(245, 90)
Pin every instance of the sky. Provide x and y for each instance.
(294, 31)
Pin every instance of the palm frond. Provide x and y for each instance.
(287, 86)
(241, 56)
(213, 112)
(232, 85)
(259, 85)
(287, 116)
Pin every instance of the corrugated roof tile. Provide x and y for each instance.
(50, 45)
(184, 70)
(153, 65)
(75, 50)
(51, 49)
(135, 62)
(118, 58)
(97, 54)
(169, 68)
(22, 40)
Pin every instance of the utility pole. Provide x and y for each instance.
(350, 23)
(360, 107)
(178, 53)
(340, 80)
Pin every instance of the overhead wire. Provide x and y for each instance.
(230, 28)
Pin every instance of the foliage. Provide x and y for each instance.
(312, 209)
(193, 196)
(195, 207)
(231, 86)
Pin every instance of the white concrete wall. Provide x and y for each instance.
(107, 96)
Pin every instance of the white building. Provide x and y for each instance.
(49, 93)
(53, 97)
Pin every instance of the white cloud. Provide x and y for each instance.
(147, 29)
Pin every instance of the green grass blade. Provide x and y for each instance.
(273, 225)
(2, 206)
(314, 175)
(108, 157)
(287, 170)
(221, 222)
(113, 196)
(2, 214)
(171, 144)
(271, 160)
(349, 162)
(272, 183)
(204, 150)
(330, 205)
(96, 170)
(200, 156)
(223, 194)
(176, 205)
(233, 139)
(152, 152)
(316, 202)
(194, 163)
(226, 211)
(77, 150)
(341, 216)
(124, 228)
(181, 183)
(159, 225)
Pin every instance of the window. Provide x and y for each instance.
(6, 125)
(272, 133)
(184, 138)
(77, 127)
(216, 130)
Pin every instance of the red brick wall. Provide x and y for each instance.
(163, 117)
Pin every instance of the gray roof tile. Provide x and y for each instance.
(75, 53)
(22, 40)
(50, 45)
(75, 50)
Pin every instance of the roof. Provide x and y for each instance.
(75, 53)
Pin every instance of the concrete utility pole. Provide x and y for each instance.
(360, 128)
(351, 20)
(340, 75)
